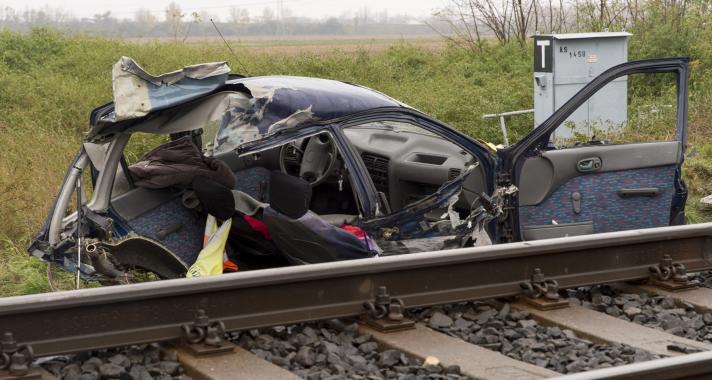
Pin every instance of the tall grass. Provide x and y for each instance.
(50, 82)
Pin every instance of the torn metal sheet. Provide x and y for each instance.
(136, 92)
(207, 114)
(410, 223)
(288, 102)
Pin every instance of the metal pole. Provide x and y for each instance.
(504, 130)
(79, 227)
(502, 123)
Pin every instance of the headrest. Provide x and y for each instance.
(216, 199)
(289, 195)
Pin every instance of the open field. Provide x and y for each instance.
(49, 83)
(318, 45)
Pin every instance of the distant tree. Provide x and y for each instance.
(267, 15)
(332, 25)
(361, 18)
(382, 17)
(463, 24)
(506, 19)
(239, 18)
(269, 23)
(145, 21)
(105, 24)
(174, 19)
(195, 18)
(11, 15)
(285, 20)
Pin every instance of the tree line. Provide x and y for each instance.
(180, 24)
(471, 23)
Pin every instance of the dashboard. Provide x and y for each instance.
(408, 164)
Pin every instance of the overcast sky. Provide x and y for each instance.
(309, 8)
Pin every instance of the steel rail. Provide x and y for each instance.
(696, 366)
(86, 319)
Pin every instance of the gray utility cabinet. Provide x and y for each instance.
(564, 63)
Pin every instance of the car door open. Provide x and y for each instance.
(578, 178)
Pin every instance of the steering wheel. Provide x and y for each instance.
(316, 161)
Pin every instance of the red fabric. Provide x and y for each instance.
(258, 226)
(356, 231)
(229, 266)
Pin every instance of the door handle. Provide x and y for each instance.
(590, 164)
(642, 192)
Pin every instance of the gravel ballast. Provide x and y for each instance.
(335, 350)
(703, 278)
(658, 312)
(142, 362)
(512, 333)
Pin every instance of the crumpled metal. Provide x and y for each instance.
(136, 92)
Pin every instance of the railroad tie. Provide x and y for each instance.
(474, 361)
(238, 364)
(601, 328)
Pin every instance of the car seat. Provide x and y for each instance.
(254, 181)
(301, 235)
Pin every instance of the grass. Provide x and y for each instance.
(49, 83)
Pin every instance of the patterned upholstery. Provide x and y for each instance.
(251, 179)
(601, 204)
(186, 242)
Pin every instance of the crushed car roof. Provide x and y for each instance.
(328, 99)
(137, 93)
(282, 102)
(270, 103)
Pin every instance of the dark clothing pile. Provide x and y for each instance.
(301, 235)
(285, 229)
(176, 164)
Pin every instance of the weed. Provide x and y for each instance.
(49, 83)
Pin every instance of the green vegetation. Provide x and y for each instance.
(50, 82)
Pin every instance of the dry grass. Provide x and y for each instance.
(50, 83)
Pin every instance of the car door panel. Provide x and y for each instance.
(633, 188)
(547, 172)
(598, 187)
(603, 199)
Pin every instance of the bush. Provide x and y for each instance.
(49, 83)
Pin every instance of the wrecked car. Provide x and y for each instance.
(313, 160)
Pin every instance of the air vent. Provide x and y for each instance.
(377, 167)
(452, 173)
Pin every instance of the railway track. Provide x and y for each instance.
(519, 335)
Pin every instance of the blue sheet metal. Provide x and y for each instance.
(281, 102)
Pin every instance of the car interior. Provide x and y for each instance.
(165, 215)
(406, 163)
